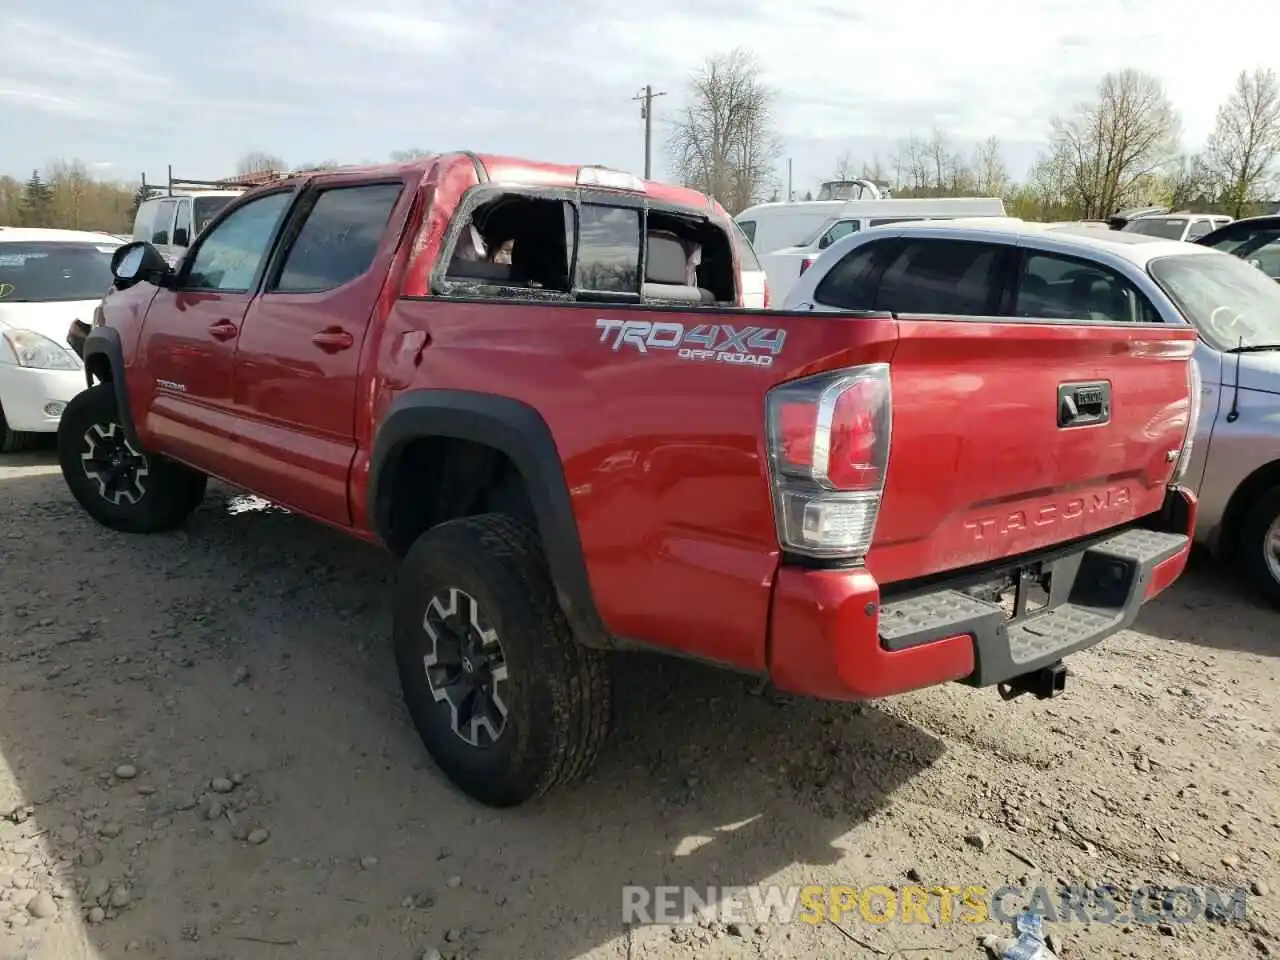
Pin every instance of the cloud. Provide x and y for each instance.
(314, 79)
(383, 28)
(93, 80)
(35, 98)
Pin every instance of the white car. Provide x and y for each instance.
(48, 278)
(1176, 226)
(755, 286)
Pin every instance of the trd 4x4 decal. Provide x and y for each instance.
(717, 342)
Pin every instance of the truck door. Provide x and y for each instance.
(297, 362)
(183, 385)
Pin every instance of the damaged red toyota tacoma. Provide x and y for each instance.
(536, 385)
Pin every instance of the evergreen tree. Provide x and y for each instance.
(141, 194)
(37, 202)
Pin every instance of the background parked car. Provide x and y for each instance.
(48, 278)
(1255, 240)
(755, 286)
(1118, 219)
(1176, 226)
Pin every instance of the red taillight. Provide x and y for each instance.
(828, 442)
(806, 263)
(854, 437)
(795, 422)
(766, 294)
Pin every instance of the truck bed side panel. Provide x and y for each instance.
(663, 456)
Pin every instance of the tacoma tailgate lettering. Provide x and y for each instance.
(1018, 521)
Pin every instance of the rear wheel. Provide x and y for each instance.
(1259, 545)
(15, 441)
(117, 484)
(507, 703)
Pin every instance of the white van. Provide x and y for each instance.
(772, 226)
(172, 221)
(789, 236)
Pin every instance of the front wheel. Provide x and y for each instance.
(118, 485)
(1259, 545)
(506, 701)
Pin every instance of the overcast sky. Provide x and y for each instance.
(134, 85)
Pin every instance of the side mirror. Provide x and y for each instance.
(138, 261)
(824, 242)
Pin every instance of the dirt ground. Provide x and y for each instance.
(203, 754)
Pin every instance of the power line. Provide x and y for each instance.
(646, 111)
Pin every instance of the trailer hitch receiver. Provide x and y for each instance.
(1044, 684)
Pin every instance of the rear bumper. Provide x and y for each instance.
(830, 637)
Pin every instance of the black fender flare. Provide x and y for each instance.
(105, 342)
(517, 430)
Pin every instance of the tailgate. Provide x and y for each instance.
(1011, 437)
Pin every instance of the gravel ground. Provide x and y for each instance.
(203, 754)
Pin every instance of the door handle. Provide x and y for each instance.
(333, 339)
(223, 330)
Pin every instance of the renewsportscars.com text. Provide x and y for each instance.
(965, 904)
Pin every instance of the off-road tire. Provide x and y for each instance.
(171, 491)
(1251, 545)
(15, 441)
(557, 692)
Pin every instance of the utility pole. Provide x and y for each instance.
(790, 194)
(646, 111)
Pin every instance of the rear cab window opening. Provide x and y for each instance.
(584, 245)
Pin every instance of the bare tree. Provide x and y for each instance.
(1047, 193)
(875, 171)
(1113, 145)
(937, 152)
(990, 175)
(1245, 141)
(913, 165)
(258, 161)
(724, 143)
(846, 167)
(961, 180)
(1188, 182)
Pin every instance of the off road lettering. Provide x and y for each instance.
(1020, 521)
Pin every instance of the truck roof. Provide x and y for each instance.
(514, 171)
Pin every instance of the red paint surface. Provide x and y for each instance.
(824, 643)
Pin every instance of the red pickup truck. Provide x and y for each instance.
(535, 384)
